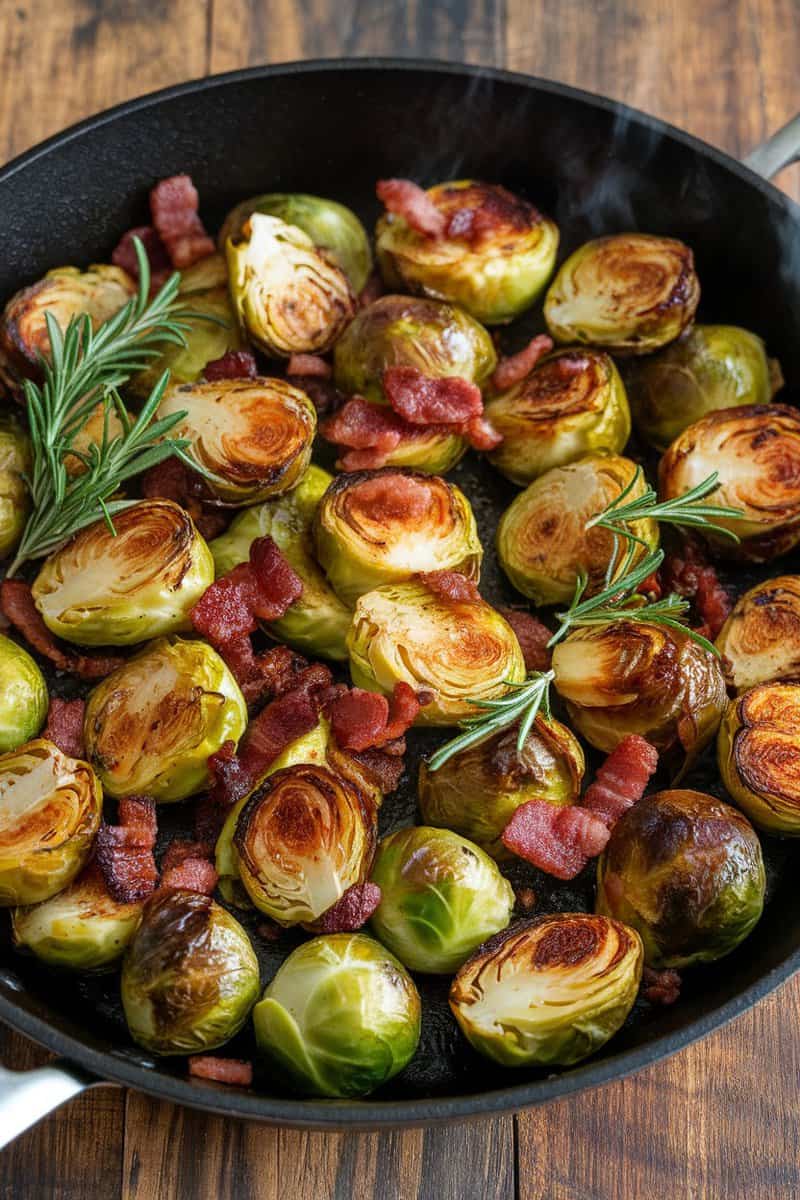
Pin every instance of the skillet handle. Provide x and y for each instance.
(776, 152)
(27, 1096)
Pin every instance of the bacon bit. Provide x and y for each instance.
(192, 875)
(64, 726)
(352, 911)
(661, 987)
(372, 290)
(451, 585)
(516, 367)
(171, 479)
(384, 767)
(425, 400)
(361, 720)
(360, 425)
(526, 899)
(532, 636)
(270, 931)
(309, 364)
(174, 204)
(124, 255)
(622, 779)
(234, 364)
(181, 849)
(321, 392)
(712, 602)
(690, 575)
(652, 586)
(559, 841)
(17, 603)
(481, 434)
(235, 1071)
(124, 852)
(411, 202)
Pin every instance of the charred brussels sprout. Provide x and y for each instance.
(317, 623)
(376, 527)
(190, 976)
(631, 293)
(208, 336)
(441, 896)
(542, 541)
(494, 259)
(289, 297)
(460, 651)
(340, 1018)
(477, 791)
(23, 696)
(103, 589)
(252, 438)
(15, 462)
(548, 992)
(685, 871)
(756, 451)
(758, 759)
(761, 638)
(152, 724)
(50, 810)
(572, 403)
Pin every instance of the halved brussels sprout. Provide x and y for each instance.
(333, 229)
(317, 623)
(82, 928)
(761, 638)
(550, 991)
(103, 423)
(205, 275)
(756, 451)
(23, 696)
(495, 274)
(152, 724)
(50, 811)
(15, 462)
(190, 976)
(686, 872)
(572, 403)
(441, 896)
(288, 296)
(458, 650)
(340, 1018)
(542, 541)
(251, 437)
(376, 527)
(630, 293)
(118, 589)
(758, 758)
(630, 677)
(209, 335)
(477, 791)
(710, 367)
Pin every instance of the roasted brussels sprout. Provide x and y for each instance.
(252, 437)
(631, 293)
(758, 759)
(206, 275)
(458, 651)
(190, 976)
(376, 527)
(710, 367)
(494, 260)
(685, 871)
(477, 791)
(50, 810)
(82, 928)
(550, 991)
(103, 423)
(756, 451)
(333, 229)
(288, 296)
(573, 402)
(761, 638)
(103, 588)
(152, 724)
(340, 1017)
(631, 677)
(317, 623)
(441, 896)
(542, 541)
(15, 462)
(209, 335)
(23, 696)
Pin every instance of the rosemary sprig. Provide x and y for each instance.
(522, 702)
(685, 510)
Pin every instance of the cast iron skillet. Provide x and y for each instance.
(333, 128)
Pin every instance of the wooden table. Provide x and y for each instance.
(716, 1122)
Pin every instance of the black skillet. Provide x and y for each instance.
(333, 128)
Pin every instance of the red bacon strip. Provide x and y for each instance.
(124, 255)
(352, 911)
(310, 365)
(424, 400)
(515, 367)
(360, 425)
(64, 726)
(234, 364)
(235, 1071)
(481, 434)
(124, 852)
(661, 987)
(192, 875)
(171, 479)
(532, 636)
(361, 720)
(451, 585)
(174, 205)
(411, 202)
(17, 603)
(559, 841)
(622, 779)
(690, 575)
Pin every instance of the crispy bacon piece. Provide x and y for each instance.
(352, 911)
(321, 392)
(481, 434)
(451, 585)
(124, 255)
(372, 290)
(384, 766)
(181, 849)
(652, 586)
(360, 425)
(361, 720)
(411, 202)
(559, 841)
(234, 364)
(661, 987)
(310, 365)
(622, 779)
(235, 1071)
(64, 726)
(17, 603)
(532, 636)
(124, 852)
(515, 367)
(425, 400)
(174, 207)
(191, 875)
(690, 575)
(171, 479)
(712, 602)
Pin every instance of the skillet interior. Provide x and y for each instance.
(333, 129)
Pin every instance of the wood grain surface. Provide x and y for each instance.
(718, 1121)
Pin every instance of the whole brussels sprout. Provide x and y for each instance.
(334, 229)
(441, 896)
(496, 256)
(251, 437)
(15, 462)
(376, 527)
(82, 928)
(757, 755)
(460, 651)
(631, 677)
(317, 623)
(710, 367)
(760, 640)
(340, 1018)
(208, 336)
(50, 811)
(477, 791)
(550, 991)
(118, 589)
(630, 293)
(572, 403)
(190, 976)
(685, 871)
(543, 544)
(151, 725)
(288, 296)
(23, 696)
(756, 451)
(206, 275)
